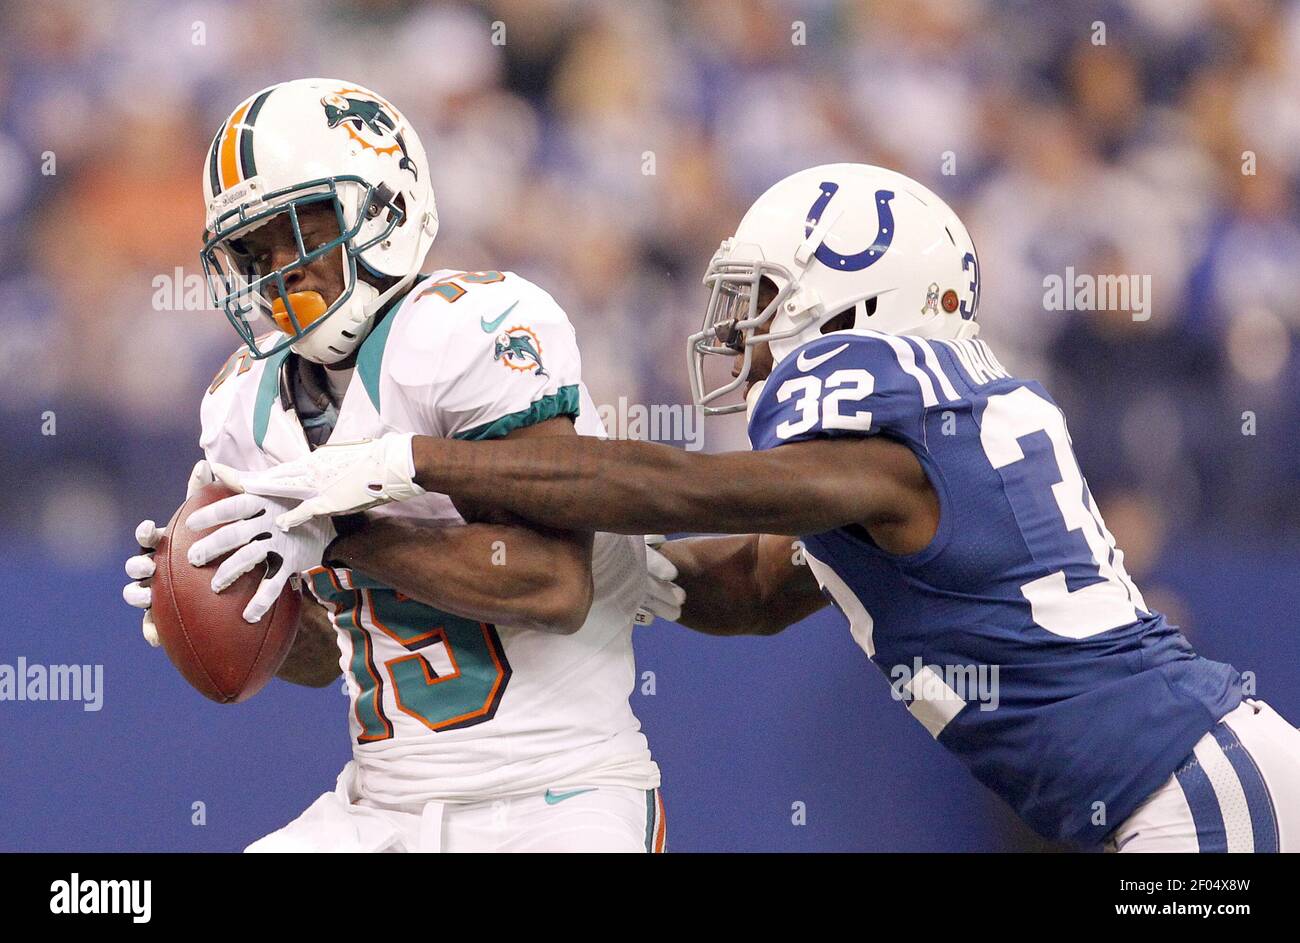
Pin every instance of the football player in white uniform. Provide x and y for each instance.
(489, 664)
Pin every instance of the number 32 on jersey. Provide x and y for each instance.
(1108, 598)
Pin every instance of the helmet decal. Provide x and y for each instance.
(970, 263)
(931, 305)
(869, 255)
(230, 160)
(367, 122)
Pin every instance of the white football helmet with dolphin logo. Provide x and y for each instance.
(834, 238)
(303, 142)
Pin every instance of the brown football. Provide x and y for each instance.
(204, 633)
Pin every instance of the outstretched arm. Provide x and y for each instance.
(754, 584)
(582, 484)
(639, 487)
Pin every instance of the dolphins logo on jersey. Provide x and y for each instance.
(519, 349)
(364, 119)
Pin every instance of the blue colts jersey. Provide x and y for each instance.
(1016, 637)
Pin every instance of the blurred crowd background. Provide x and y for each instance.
(1118, 158)
(1123, 158)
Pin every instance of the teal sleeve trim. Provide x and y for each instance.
(370, 358)
(563, 402)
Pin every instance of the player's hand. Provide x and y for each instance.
(663, 597)
(335, 479)
(141, 566)
(250, 533)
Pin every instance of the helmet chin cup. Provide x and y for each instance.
(343, 331)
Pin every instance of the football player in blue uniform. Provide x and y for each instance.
(938, 505)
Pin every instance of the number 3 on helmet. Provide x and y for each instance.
(315, 141)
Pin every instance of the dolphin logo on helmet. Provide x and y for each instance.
(357, 114)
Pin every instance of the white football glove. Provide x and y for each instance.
(335, 479)
(250, 532)
(141, 567)
(663, 597)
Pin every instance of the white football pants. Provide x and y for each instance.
(1238, 791)
(573, 818)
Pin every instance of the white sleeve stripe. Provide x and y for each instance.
(963, 357)
(907, 362)
(932, 362)
(993, 360)
(977, 356)
(984, 371)
(986, 357)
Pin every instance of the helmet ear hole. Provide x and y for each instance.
(385, 197)
(847, 319)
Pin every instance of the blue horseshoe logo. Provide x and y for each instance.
(869, 255)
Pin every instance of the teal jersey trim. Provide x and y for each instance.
(563, 402)
(267, 390)
(370, 358)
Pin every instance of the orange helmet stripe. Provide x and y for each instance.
(229, 148)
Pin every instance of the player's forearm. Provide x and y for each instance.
(722, 596)
(493, 573)
(755, 584)
(583, 483)
(313, 661)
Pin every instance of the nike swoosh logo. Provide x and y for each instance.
(490, 326)
(806, 363)
(554, 798)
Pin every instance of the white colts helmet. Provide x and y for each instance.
(831, 239)
(305, 142)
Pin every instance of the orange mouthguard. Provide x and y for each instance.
(307, 307)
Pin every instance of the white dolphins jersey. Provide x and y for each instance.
(442, 707)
